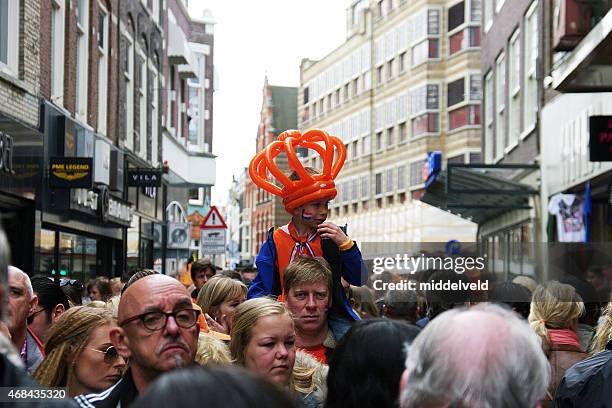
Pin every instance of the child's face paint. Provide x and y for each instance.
(314, 213)
(306, 215)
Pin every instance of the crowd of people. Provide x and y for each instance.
(154, 342)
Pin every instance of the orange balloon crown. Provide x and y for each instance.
(310, 187)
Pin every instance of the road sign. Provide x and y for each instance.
(213, 219)
(212, 241)
(179, 235)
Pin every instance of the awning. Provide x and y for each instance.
(588, 68)
(174, 180)
(478, 193)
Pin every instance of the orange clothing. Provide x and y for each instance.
(290, 245)
(318, 352)
(204, 326)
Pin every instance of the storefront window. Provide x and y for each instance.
(47, 251)
(77, 257)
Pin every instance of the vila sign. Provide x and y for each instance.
(144, 178)
(600, 143)
(71, 172)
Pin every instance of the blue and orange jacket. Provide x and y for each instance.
(347, 264)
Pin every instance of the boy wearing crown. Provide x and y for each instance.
(306, 194)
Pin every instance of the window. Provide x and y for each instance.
(366, 147)
(305, 95)
(425, 50)
(468, 115)
(498, 5)
(82, 41)
(500, 103)
(488, 14)
(423, 36)
(456, 92)
(401, 178)
(354, 189)
(355, 86)
(142, 93)
(390, 137)
(346, 92)
(129, 92)
(456, 16)
(378, 184)
(389, 180)
(530, 96)
(365, 187)
(58, 24)
(475, 87)
(464, 39)
(402, 62)
(475, 157)
(153, 155)
(514, 103)
(355, 150)
(337, 97)
(403, 135)
(9, 36)
(425, 123)
(379, 75)
(416, 173)
(103, 59)
(390, 69)
(488, 129)
(379, 137)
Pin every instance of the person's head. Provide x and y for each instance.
(263, 339)
(595, 277)
(136, 275)
(440, 300)
(364, 301)
(554, 305)
(603, 333)
(201, 272)
(484, 356)
(248, 274)
(401, 305)
(52, 302)
(366, 366)
(116, 285)
(313, 212)
(220, 296)
(589, 296)
(213, 387)
(73, 289)
(79, 353)
(516, 297)
(231, 274)
(526, 281)
(100, 289)
(158, 328)
(212, 351)
(307, 282)
(22, 300)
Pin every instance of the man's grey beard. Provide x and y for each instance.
(180, 363)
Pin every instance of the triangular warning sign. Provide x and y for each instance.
(213, 219)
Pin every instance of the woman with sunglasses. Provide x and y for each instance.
(79, 353)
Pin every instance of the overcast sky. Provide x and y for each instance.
(253, 38)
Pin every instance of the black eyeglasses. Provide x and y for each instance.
(110, 354)
(154, 321)
(37, 312)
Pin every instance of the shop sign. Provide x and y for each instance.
(85, 199)
(119, 212)
(102, 204)
(71, 172)
(144, 178)
(600, 138)
(432, 167)
(6, 153)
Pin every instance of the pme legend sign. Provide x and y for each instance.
(71, 172)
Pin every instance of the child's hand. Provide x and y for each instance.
(333, 232)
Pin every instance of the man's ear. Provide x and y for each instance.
(58, 310)
(120, 341)
(33, 304)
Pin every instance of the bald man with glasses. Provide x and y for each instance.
(157, 331)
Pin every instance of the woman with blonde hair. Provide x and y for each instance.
(79, 353)
(219, 298)
(554, 313)
(263, 341)
(603, 334)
